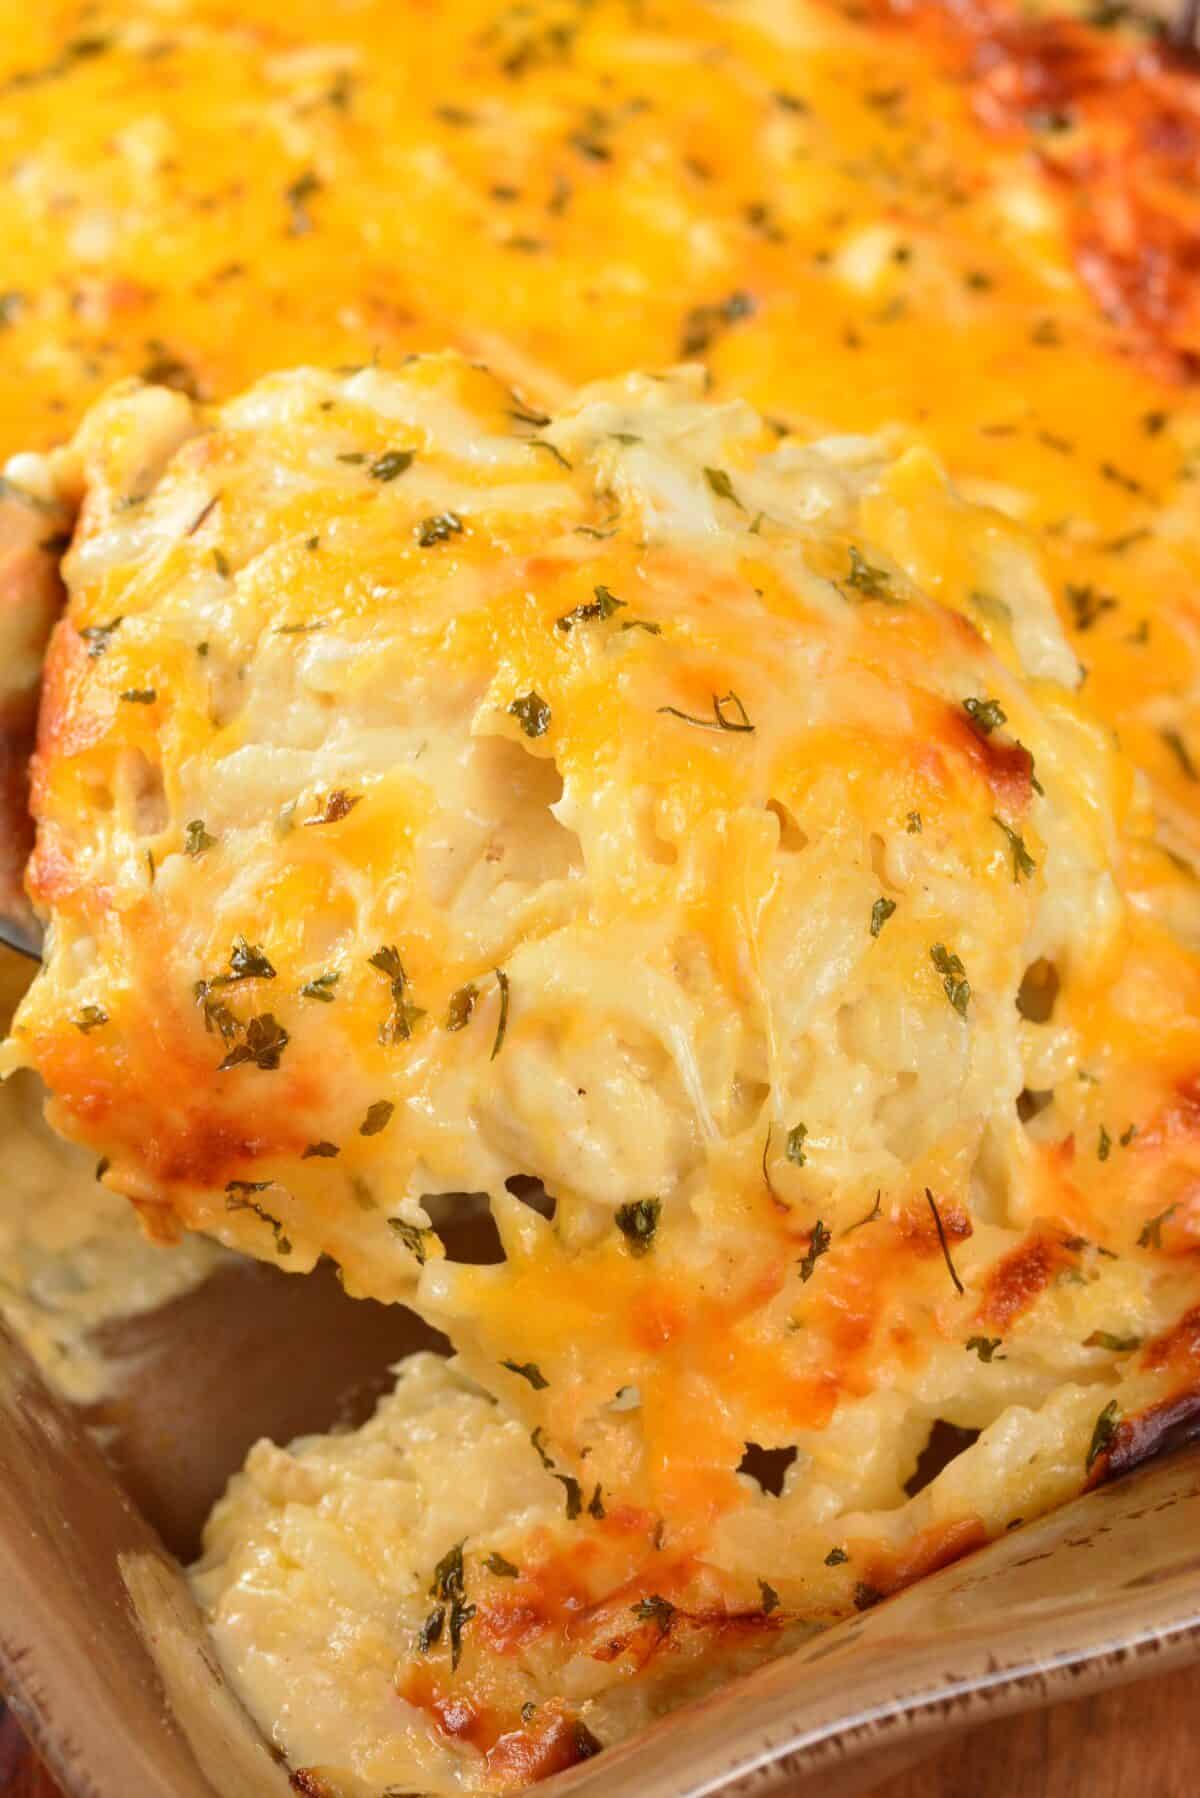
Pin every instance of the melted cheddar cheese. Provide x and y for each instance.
(979, 223)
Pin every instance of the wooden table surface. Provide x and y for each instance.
(1136, 1742)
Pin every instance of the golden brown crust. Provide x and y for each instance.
(549, 1745)
(305, 1781)
(1113, 118)
(1016, 1283)
(1153, 1431)
(32, 538)
(931, 1548)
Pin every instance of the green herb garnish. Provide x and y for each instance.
(702, 324)
(574, 1495)
(528, 1370)
(217, 1015)
(239, 1197)
(460, 1615)
(264, 1043)
(720, 484)
(655, 1610)
(728, 714)
(881, 911)
(638, 1222)
(603, 605)
(1023, 862)
(818, 1245)
(412, 1238)
(954, 977)
(1151, 1235)
(986, 715)
(297, 194)
(1102, 1435)
(871, 582)
(397, 1027)
(531, 713)
(502, 1021)
(320, 987)
(461, 1006)
(379, 1116)
(439, 529)
(543, 1457)
(448, 1577)
(542, 443)
(1087, 605)
(97, 636)
(247, 961)
(196, 839)
(390, 464)
(449, 1589)
(937, 1218)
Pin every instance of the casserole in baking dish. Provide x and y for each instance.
(749, 853)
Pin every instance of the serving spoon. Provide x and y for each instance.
(20, 930)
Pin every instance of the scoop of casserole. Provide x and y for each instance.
(692, 844)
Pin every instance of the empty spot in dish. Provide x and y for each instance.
(768, 1466)
(466, 1228)
(946, 1441)
(529, 1189)
(1038, 991)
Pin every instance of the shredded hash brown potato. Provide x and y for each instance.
(978, 220)
(700, 843)
(326, 1561)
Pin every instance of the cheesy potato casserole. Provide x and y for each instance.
(686, 878)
